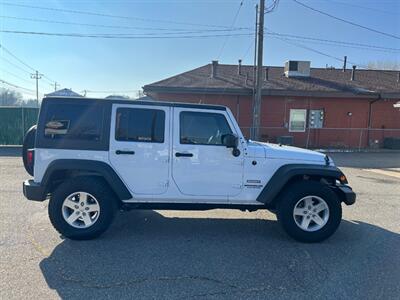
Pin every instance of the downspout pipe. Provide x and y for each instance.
(370, 116)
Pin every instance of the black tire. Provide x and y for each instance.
(298, 191)
(28, 143)
(96, 187)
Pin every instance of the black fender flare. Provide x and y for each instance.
(285, 173)
(88, 167)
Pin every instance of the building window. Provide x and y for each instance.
(297, 122)
(140, 125)
(203, 128)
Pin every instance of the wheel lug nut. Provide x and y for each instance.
(84, 213)
(86, 208)
(76, 206)
(78, 212)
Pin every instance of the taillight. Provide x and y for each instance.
(29, 157)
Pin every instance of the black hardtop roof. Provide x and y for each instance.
(136, 102)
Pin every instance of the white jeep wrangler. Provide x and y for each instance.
(91, 157)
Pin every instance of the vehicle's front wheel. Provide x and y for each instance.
(82, 208)
(309, 211)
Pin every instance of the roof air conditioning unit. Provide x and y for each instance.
(297, 68)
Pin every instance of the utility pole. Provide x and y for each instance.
(37, 76)
(255, 65)
(257, 102)
(55, 86)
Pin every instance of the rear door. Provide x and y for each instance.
(139, 147)
(201, 165)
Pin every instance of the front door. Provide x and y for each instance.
(139, 147)
(201, 165)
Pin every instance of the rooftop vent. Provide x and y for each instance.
(353, 73)
(297, 68)
(214, 65)
(239, 71)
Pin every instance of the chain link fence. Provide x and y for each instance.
(14, 122)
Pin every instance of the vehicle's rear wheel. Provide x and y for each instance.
(309, 211)
(82, 208)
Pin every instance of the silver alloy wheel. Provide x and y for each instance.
(80, 210)
(311, 213)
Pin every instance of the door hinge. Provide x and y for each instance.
(164, 183)
(237, 186)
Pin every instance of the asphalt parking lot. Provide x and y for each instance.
(218, 254)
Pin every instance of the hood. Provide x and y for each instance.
(255, 149)
(268, 150)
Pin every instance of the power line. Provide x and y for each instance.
(344, 43)
(176, 30)
(345, 46)
(51, 81)
(16, 66)
(224, 43)
(120, 36)
(346, 21)
(22, 62)
(199, 31)
(150, 36)
(272, 7)
(231, 28)
(16, 86)
(328, 55)
(16, 76)
(110, 15)
(308, 48)
(364, 7)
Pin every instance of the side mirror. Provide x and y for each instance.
(230, 141)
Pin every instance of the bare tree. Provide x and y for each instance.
(9, 97)
(29, 103)
(139, 94)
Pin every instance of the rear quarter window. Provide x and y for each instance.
(78, 121)
(74, 124)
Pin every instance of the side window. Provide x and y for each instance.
(140, 125)
(74, 121)
(203, 128)
(297, 122)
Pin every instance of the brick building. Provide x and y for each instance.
(315, 107)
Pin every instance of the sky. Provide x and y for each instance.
(122, 66)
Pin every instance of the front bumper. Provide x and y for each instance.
(34, 191)
(346, 194)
